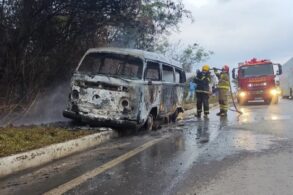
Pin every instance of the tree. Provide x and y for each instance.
(188, 55)
(43, 40)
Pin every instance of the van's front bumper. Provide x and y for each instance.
(99, 121)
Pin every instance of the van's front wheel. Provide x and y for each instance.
(149, 124)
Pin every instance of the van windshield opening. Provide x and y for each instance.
(115, 65)
(256, 70)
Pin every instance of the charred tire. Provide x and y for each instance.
(149, 124)
(174, 116)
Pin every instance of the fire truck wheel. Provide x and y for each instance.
(241, 102)
(268, 101)
(275, 101)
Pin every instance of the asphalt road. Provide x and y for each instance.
(248, 154)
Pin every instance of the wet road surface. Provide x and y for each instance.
(248, 154)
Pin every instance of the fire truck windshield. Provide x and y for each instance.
(256, 70)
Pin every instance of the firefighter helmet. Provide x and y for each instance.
(205, 68)
(226, 68)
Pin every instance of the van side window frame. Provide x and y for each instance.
(168, 67)
(182, 78)
(176, 71)
(152, 63)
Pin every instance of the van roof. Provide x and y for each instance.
(136, 53)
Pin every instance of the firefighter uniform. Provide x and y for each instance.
(203, 79)
(223, 90)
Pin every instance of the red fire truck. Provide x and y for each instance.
(257, 81)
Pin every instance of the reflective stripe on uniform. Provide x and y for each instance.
(202, 91)
(223, 87)
(224, 107)
(224, 81)
(209, 79)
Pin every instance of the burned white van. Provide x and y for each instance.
(125, 88)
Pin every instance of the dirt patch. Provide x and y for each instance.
(189, 106)
(20, 139)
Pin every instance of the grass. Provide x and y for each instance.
(15, 140)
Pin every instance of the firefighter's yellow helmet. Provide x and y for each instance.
(205, 67)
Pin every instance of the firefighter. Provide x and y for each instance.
(203, 79)
(223, 89)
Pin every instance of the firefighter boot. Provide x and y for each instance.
(223, 114)
(198, 115)
(220, 113)
(206, 116)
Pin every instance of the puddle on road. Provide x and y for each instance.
(210, 140)
(251, 118)
(277, 117)
(234, 142)
(216, 140)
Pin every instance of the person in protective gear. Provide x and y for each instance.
(203, 79)
(191, 91)
(223, 89)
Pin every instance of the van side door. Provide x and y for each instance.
(152, 87)
(168, 96)
(180, 79)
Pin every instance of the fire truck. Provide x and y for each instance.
(257, 80)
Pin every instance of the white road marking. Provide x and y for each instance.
(93, 173)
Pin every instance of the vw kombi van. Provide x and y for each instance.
(118, 87)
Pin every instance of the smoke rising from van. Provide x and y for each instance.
(46, 108)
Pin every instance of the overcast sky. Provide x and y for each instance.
(237, 30)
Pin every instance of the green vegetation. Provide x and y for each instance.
(15, 140)
(42, 41)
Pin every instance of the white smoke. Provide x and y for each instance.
(46, 108)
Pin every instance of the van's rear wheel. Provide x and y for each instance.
(174, 116)
(149, 124)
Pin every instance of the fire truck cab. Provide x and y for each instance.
(257, 80)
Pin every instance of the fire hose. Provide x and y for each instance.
(232, 96)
